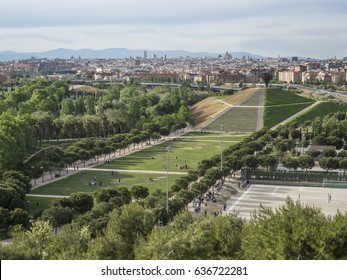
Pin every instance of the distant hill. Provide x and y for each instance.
(112, 53)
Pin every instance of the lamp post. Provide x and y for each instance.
(167, 179)
(221, 152)
(43, 174)
(33, 174)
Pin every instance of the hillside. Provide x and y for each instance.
(205, 111)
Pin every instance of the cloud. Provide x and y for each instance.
(268, 26)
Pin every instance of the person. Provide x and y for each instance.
(299, 196)
(118, 180)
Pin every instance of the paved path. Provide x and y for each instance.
(260, 115)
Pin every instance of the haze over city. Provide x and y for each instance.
(312, 28)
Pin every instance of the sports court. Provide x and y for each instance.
(248, 200)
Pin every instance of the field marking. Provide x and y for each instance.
(240, 198)
(275, 191)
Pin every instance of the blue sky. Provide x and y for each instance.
(311, 28)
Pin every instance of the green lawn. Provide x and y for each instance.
(275, 96)
(274, 115)
(184, 152)
(238, 119)
(281, 104)
(37, 203)
(321, 110)
(80, 182)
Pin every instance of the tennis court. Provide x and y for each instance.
(249, 199)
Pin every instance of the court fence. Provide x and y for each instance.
(295, 178)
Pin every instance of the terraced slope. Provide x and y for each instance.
(240, 96)
(206, 110)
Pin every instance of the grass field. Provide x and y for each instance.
(79, 182)
(184, 152)
(276, 96)
(281, 104)
(191, 149)
(38, 203)
(239, 119)
(321, 110)
(274, 115)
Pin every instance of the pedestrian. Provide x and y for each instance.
(118, 180)
(299, 196)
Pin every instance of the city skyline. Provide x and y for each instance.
(312, 28)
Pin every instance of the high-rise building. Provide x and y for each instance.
(144, 55)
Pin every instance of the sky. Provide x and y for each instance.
(307, 28)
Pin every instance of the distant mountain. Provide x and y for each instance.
(113, 53)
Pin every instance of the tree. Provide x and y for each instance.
(5, 218)
(291, 163)
(67, 107)
(82, 202)
(164, 131)
(343, 164)
(139, 192)
(19, 217)
(293, 231)
(329, 163)
(71, 244)
(306, 162)
(268, 161)
(123, 229)
(329, 152)
(39, 236)
(250, 161)
(79, 106)
(57, 215)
